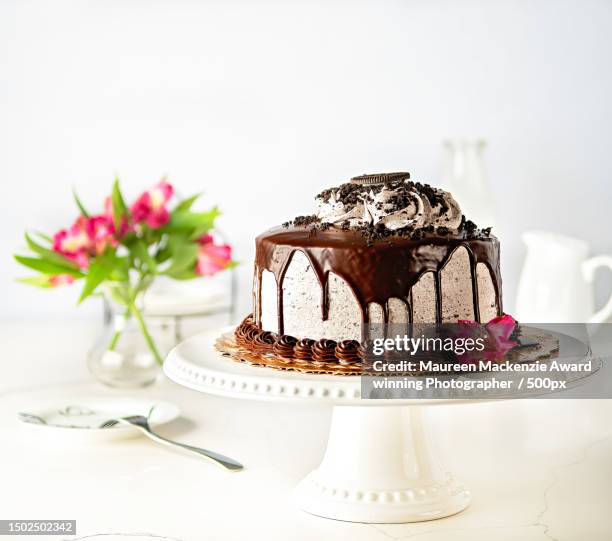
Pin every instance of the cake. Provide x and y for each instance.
(379, 249)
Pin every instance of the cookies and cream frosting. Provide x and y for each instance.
(396, 204)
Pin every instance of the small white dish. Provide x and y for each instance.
(82, 417)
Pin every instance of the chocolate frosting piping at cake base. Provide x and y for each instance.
(349, 356)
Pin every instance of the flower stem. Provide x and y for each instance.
(145, 332)
(117, 334)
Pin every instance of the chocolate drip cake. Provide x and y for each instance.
(379, 249)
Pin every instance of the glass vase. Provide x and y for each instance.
(131, 347)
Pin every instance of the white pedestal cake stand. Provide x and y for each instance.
(379, 466)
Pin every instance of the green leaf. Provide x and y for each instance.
(48, 255)
(144, 283)
(186, 204)
(163, 255)
(121, 269)
(99, 270)
(192, 223)
(140, 251)
(184, 255)
(184, 275)
(79, 204)
(119, 207)
(199, 232)
(128, 238)
(47, 267)
(44, 236)
(119, 293)
(41, 280)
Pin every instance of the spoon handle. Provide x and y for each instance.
(217, 458)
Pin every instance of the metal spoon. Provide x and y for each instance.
(142, 423)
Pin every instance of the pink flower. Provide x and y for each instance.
(212, 257)
(101, 232)
(499, 330)
(108, 214)
(60, 280)
(88, 236)
(496, 334)
(150, 207)
(74, 243)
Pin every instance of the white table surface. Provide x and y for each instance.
(538, 469)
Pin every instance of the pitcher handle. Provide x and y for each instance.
(588, 269)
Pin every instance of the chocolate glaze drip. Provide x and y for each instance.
(376, 272)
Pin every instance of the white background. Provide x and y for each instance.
(262, 104)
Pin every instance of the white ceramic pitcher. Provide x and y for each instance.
(556, 284)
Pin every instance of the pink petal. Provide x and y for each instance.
(501, 327)
(141, 208)
(58, 238)
(81, 259)
(150, 207)
(158, 218)
(499, 331)
(60, 279)
(205, 239)
(166, 188)
(75, 239)
(213, 258)
(108, 208)
(160, 194)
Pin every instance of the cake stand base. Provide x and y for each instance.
(379, 467)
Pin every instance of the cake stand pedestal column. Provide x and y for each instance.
(379, 467)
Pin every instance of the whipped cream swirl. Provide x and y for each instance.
(396, 206)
